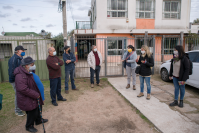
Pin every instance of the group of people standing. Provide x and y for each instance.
(179, 71)
(29, 90)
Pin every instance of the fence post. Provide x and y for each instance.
(162, 48)
(181, 40)
(105, 48)
(145, 37)
(122, 56)
(154, 52)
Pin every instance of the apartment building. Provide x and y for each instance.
(134, 21)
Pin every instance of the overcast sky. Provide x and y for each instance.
(35, 15)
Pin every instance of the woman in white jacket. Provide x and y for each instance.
(129, 59)
(94, 61)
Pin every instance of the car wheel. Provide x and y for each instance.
(164, 75)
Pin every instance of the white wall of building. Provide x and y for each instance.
(102, 22)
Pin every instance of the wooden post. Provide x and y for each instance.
(64, 13)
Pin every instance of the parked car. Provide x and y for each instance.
(193, 79)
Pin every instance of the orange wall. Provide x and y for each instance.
(145, 23)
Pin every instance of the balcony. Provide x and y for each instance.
(80, 25)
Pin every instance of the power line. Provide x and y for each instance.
(26, 5)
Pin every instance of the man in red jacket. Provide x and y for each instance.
(54, 65)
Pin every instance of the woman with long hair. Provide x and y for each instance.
(129, 58)
(146, 61)
(179, 70)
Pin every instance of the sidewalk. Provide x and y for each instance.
(159, 113)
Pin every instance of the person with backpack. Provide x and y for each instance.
(129, 59)
(180, 68)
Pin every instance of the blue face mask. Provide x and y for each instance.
(23, 53)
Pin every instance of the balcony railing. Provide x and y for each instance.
(84, 24)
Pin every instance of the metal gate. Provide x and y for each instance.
(112, 50)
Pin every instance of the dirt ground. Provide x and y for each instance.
(95, 111)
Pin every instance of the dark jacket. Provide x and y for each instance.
(13, 63)
(184, 70)
(54, 70)
(71, 57)
(26, 90)
(145, 68)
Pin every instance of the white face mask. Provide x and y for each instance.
(95, 50)
(143, 52)
(54, 53)
(31, 68)
(176, 52)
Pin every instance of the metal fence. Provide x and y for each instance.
(111, 48)
(84, 24)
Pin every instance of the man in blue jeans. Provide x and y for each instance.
(94, 61)
(14, 62)
(54, 65)
(69, 60)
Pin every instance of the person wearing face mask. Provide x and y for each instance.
(69, 60)
(179, 70)
(13, 63)
(129, 59)
(94, 61)
(28, 93)
(146, 61)
(54, 66)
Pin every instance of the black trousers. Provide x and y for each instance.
(33, 116)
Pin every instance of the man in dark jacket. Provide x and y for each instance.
(54, 65)
(28, 93)
(69, 60)
(13, 63)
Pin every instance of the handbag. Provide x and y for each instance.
(137, 70)
(127, 59)
(1, 98)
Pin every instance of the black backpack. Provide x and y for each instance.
(191, 65)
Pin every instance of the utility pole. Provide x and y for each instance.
(64, 13)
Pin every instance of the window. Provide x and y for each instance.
(171, 9)
(169, 45)
(5, 51)
(117, 8)
(115, 47)
(140, 42)
(193, 56)
(145, 9)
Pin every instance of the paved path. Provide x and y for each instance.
(159, 113)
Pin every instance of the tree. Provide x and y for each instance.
(59, 43)
(192, 40)
(196, 21)
(47, 36)
(70, 33)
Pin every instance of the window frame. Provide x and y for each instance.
(8, 52)
(144, 11)
(172, 48)
(116, 39)
(125, 11)
(171, 12)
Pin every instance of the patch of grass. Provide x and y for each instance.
(8, 119)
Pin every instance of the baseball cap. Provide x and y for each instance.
(19, 48)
